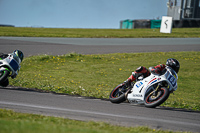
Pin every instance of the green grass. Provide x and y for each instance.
(97, 75)
(97, 33)
(12, 122)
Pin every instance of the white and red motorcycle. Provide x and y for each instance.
(151, 91)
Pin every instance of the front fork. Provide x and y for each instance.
(155, 92)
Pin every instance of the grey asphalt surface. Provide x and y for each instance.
(79, 108)
(59, 46)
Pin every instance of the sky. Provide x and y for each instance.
(78, 13)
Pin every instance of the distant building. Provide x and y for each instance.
(185, 13)
(184, 9)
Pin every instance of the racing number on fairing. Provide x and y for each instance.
(172, 80)
(139, 85)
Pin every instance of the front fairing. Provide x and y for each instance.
(172, 78)
(12, 63)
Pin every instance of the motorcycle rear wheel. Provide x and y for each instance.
(151, 100)
(4, 75)
(117, 95)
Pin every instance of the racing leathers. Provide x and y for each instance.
(143, 71)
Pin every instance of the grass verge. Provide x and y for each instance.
(12, 122)
(98, 33)
(97, 75)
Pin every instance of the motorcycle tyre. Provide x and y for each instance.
(5, 83)
(119, 99)
(159, 101)
(4, 76)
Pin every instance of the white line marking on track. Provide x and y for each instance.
(99, 113)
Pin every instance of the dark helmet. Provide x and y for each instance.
(174, 64)
(19, 54)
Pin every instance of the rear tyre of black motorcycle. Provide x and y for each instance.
(113, 95)
(3, 76)
(156, 101)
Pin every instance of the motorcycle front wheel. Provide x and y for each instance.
(3, 76)
(156, 98)
(117, 95)
(5, 83)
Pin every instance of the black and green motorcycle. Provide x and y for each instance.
(9, 67)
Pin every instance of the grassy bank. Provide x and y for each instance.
(97, 33)
(12, 122)
(97, 75)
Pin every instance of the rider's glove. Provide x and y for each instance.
(154, 70)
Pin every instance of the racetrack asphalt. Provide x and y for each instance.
(80, 108)
(88, 109)
(59, 46)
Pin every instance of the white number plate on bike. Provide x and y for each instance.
(172, 80)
